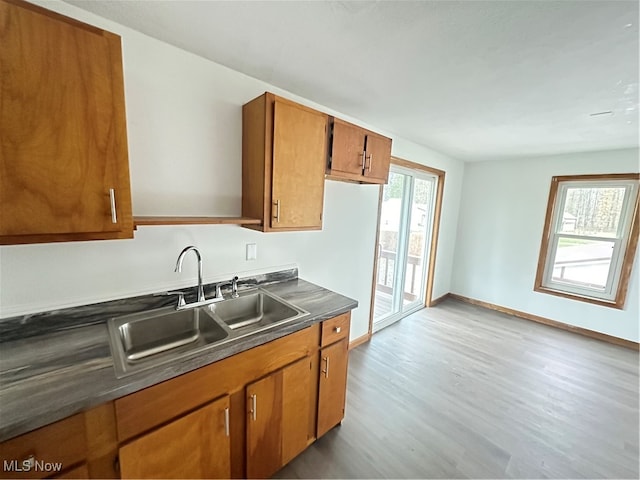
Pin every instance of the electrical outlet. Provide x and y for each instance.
(252, 251)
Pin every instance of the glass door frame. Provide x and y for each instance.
(426, 298)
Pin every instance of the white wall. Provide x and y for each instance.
(184, 127)
(499, 232)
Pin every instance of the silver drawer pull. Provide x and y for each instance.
(112, 198)
(337, 329)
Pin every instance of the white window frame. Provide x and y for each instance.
(624, 242)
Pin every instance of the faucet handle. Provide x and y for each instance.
(219, 290)
(180, 294)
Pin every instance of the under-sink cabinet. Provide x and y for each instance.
(196, 445)
(280, 417)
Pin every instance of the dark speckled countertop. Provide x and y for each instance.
(55, 364)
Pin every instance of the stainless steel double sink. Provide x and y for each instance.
(147, 339)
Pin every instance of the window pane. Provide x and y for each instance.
(390, 225)
(592, 211)
(582, 262)
(420, 210)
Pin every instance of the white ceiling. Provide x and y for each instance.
(476, 80)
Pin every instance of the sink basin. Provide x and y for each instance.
(145, 339)
(255, 311)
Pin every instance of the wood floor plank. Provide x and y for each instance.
(459, 391)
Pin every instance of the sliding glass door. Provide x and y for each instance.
(406, 218)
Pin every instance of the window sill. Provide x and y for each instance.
(617, 304)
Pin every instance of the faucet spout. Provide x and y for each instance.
(199, 257)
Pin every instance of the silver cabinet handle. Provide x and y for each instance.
(277, 215)
(112, 198)
(370, 162)
(364, 160)
(337, 329)
(254, 406)
(326, 368)
(226, 421)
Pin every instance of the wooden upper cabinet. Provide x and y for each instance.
(348, 154)
(194, 446)
(378, 158)
(64, 172)
(358, 155)
(283, 156)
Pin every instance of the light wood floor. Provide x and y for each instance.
(458, 391)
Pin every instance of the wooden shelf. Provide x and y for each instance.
(147, 221)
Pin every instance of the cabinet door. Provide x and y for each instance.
(299, 150)
(347, 154)
(298, 406)
(63, 148)
(194, 446)
(333, 386)
(61, 442)
(378, 158)
(280, 417)
(264, 426)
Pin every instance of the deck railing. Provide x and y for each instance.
(386, 273)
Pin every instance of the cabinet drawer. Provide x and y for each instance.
(335, 329)
(63, 442)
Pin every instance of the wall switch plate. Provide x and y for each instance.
(252, 251)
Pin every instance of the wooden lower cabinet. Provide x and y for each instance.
(245, 416)
(332, 385)
(299, 403)
(194, 446)
(278, 413)
(83, 445)
(63, 443)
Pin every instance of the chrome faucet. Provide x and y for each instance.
(201, 301)
(199, 257)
